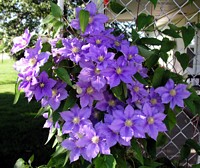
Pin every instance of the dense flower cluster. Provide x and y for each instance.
(99, 119)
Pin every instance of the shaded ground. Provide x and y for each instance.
(21, 134)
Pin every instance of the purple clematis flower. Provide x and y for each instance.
(21, 42)
(155, 100)
(71, 49)
(129, 123)
(119, 71)
(100, 56)
(94, 143)
(131, 54)
(137, 91)
(91, 73)
(49, 122)
(173, 94)
(75, 118)
(109, 103)
(42, 86)
(59, 93)
(33, 60)
(88, 94)
(154, 121)
(96, 21)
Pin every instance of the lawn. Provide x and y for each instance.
(21, 134)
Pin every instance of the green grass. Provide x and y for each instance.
(21, 134)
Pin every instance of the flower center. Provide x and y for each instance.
(101, 58)
(80, 135)
(54, 92)
(76, 120)
(95, 139)
(111, 103)
(150, 120)
(97, 71)
(119, 70)
(28, 78)
(153, 101)
(130, 56)
(172, 92)
(23, 42)
(90, 20)
(90, 90)
(136, 89)
(117, 43)
(128, 123)
(75, 50)
(32, 61)
(41, 85)
(98, 41)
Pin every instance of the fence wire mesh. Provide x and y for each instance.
(181, 13)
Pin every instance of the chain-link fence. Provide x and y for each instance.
(180, 13)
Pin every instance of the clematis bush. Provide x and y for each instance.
(98, 93)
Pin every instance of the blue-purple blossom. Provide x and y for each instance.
(59, 93)
(119, 71)
(109, 103)
(173, 94)
(96, 21)
(49, 122)
(138, 93)
(75, 118)
(91, 73)
(42, 86)
(21, 42)
(155, 100)
(33, 60)
(88, 94)
(131, 54)
(100, 56)
(71, 49)
(129, 123)
(154, 121)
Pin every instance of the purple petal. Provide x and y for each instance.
(126, 133)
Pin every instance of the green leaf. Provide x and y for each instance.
(118, 92)
(151, 147)
(117, 8)
(84, 19)
(185, 152)
(59, 161)
(171, 33)
(187, 34)
(17, 92)
(63, 75)
(140, 79)
(161, 139)
(167, 45)
(106, 161)
(46, 47)
(183, 59)
(137, 151)
(55, 10)
(59, 150)
(154, 2)
(57, 26)
(193, 145)
(31, 159)
(173, 27)
(146, 53)
(51, 134)
(135, 36)
(170, 120)
(48, 19)
(164, 56)
(158, 77)
(152, 60)
(71, 100)
(150, 41)
(196, 166)
(144, 20)
(42, 110)
(20, 163)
